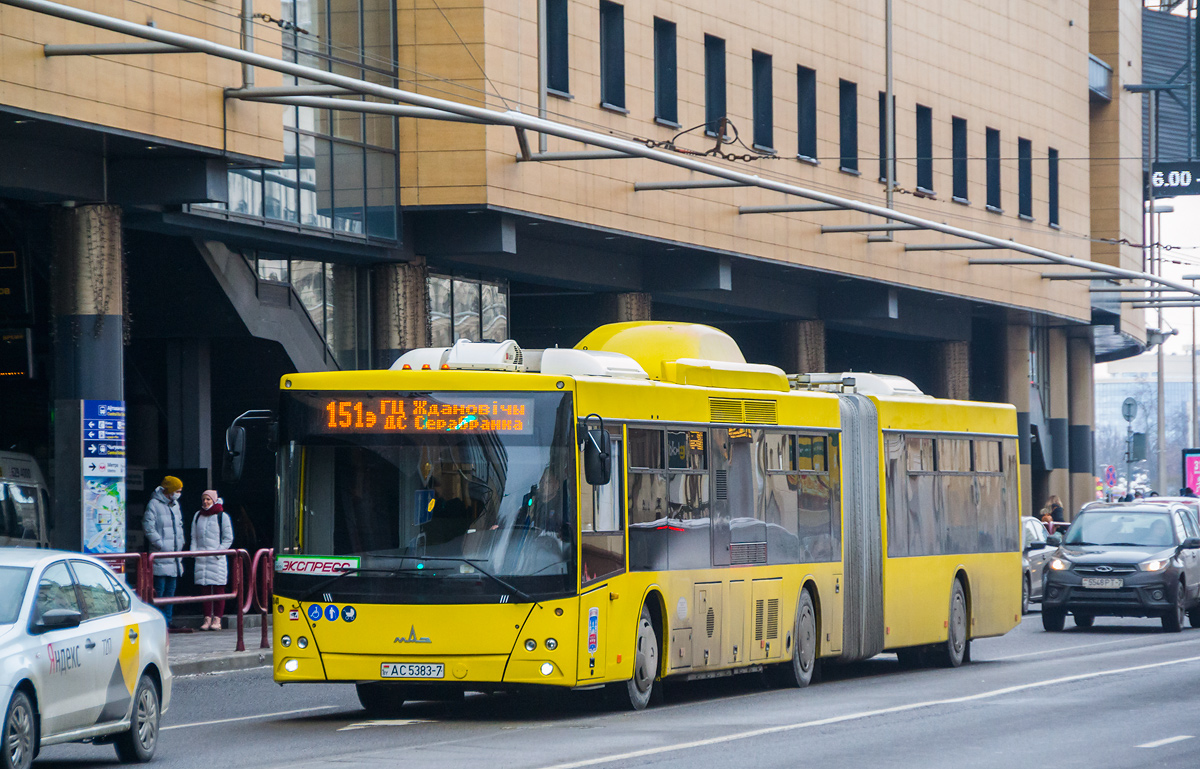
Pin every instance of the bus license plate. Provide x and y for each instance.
(412, 670)
(1103, 583)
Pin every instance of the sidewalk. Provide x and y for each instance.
(199, 652)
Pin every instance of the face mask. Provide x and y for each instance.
(175, 497)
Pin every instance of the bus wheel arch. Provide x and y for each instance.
(956, 649)
(655, 602)
(644, 687)
(960, 575)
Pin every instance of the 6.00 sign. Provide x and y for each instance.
(1171, 179)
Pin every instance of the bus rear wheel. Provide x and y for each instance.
(380, 699)
(956, 650)
(800, 671)
(636, 693)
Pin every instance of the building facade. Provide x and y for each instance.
(188, 237)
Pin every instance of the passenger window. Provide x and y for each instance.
(646, 449)
(96, 590)
(953, 455)
(818, 454)
(120, 592)
(1189, 524)
(987, 456)
(603, 521)
(55, 591)
(1180, 531)
(776, 454)
(920, 455)
(687, 450)
(18, 512)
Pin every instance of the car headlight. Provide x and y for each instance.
(1060, 564)
(1157, 565)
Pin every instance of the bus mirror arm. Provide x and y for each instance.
(235, 442)
(597, 453)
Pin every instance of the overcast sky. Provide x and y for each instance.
(1180, 228)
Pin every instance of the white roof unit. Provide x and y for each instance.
(570, 362)
(478, 356)
(879, 385)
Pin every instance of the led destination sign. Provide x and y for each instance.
(383, 415)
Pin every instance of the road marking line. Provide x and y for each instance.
(1167, 741)
(249, 718)
(859, 716)
(1056, 651)
(383, 722)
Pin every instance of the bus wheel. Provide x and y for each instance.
(955, 651)
(380, 699)
(799, 672)
(640, 688)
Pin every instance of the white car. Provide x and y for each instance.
(81, 658)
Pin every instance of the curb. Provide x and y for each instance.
(247, 660)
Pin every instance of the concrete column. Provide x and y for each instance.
(954, 370)
(401, 315)
(1060, 476)
(1016, 392)
(804, 346)
(632, 306)
(189, 404)
(1081, 359)
(89, 343)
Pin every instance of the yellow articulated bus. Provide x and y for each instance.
(645, 506)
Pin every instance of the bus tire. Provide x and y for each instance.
(954, 653)
(800, 670)
(639, 690)
(380, 699)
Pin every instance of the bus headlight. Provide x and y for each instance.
(547, 668)
(291, 666)
(285, 640)
(551, 644)
(530, 644)
(302, 642)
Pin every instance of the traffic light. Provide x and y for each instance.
(1137, 447)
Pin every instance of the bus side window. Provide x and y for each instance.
(603, 521)
(897, 517)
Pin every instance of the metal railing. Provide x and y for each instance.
(248, 594)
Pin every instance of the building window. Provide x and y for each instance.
(1052, 181)
(883, 149)
(924, 149)
(340, 169)
(764, 111)
(557, 35)
(612, 55)
(993, 170)
(666, 78)
(848, 115)
(806, 113)
(958, 127)
(476, 310)
(714, 83)
(1025, 178)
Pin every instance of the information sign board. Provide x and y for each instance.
(102, 459)
(1172, 179)
(1191, 469)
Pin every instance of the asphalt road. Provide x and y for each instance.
(1120, 694)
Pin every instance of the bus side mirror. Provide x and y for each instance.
(597, 457)
(235, 454)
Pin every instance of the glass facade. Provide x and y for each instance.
(462, 308)
(340, 169)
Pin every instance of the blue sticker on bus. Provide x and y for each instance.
(349, 614)
(331, 612)
(314, 612)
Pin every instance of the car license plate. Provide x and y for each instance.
(1103, 583)
(414, 669)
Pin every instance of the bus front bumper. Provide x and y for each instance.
(457, 671)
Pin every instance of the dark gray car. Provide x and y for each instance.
(1036, 553)
(1138, 560)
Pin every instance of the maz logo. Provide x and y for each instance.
(412, 638)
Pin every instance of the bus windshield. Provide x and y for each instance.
(484, 480)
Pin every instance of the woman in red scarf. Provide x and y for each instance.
(211, 530)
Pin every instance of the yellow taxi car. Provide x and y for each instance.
(81, 658)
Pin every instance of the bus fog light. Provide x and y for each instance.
(302, 642)
(547, 668)
(291, 666)
(530, 644)
(285, 640)
(551, 644)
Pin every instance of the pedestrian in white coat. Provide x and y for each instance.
(211, 530)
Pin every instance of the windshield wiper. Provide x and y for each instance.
(326, 582)
(458, 559)
(1133, 544)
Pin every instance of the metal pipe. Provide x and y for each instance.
(687, 184)
(793, 209)
(247, 41)
(584, 155)
(349, 105)
(110, 49)
(287, 90)
(836, 228)
(518, 119)
(543, 69)
(961, 247)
